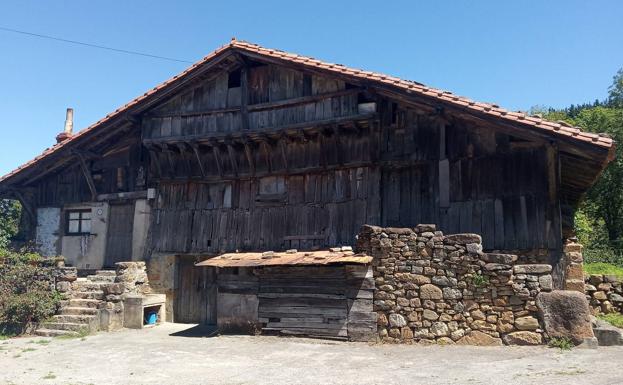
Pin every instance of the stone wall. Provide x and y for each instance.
(432, 288)
(605, 293)
(527, 256)
(133, 275)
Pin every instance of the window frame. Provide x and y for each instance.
(80, 220)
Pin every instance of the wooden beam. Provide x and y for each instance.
(244, 97)
(552, 173)
(259, 106)
(87, 175)
(182, 148)
(275, 131)
(232, 158)
(265, 148)
(217, 157)
(249, 155)
(283, 148)
(393, 164)
(195, 148)
(131, 195)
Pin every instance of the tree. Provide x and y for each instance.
(615, 92)
(10, 212)
(602, 210)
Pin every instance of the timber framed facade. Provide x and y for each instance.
(254, 149)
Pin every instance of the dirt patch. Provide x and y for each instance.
(156, 356)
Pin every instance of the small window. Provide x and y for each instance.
(272, 189)
(78, 222)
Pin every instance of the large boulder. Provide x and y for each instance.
(565, 314)
(606, 334)
(523, 338)
(479, 338)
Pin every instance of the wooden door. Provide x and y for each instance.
(305, 300)
(119, 235)
(195, 297)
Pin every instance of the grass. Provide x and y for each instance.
(28, 350)
(6, 336)
(603, 268)
(49, 376)
(40, 342)
(614, 319)
(82, 333)
(562, 343)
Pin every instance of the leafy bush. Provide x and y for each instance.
(562, 343)
(27, 296)
(10, 212)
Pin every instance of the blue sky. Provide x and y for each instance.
(517, 54)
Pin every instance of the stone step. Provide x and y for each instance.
(106, 272)
(74, 318)
(89, 285)
(101, 278)
(84, 302)
(54, 332)
(71, 310)
(65, 326)
(95, 294)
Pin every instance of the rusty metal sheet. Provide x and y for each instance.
(291, 258)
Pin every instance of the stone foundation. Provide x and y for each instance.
(432, 288)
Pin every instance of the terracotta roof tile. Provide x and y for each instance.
(405, 85)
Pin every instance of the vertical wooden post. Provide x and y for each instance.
(87, 176)
(444, 168)
(283, 143)
(244, 94)
(232, 157)
(249, 155)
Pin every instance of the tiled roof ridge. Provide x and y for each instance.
(407, 85)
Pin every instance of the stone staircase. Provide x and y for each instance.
(79, 313)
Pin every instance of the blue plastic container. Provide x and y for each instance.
(152, 318)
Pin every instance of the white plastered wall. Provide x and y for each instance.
(48, 230)
(88, 251)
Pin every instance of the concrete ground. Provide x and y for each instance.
(163, 355)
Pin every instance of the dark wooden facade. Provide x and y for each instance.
(254, 153)
(308, 160)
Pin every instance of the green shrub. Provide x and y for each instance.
(480, 280)
(562, 343)
(26, 293)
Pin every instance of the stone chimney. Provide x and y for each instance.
(69, 127)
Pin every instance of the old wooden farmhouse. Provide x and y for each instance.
(253, 150)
